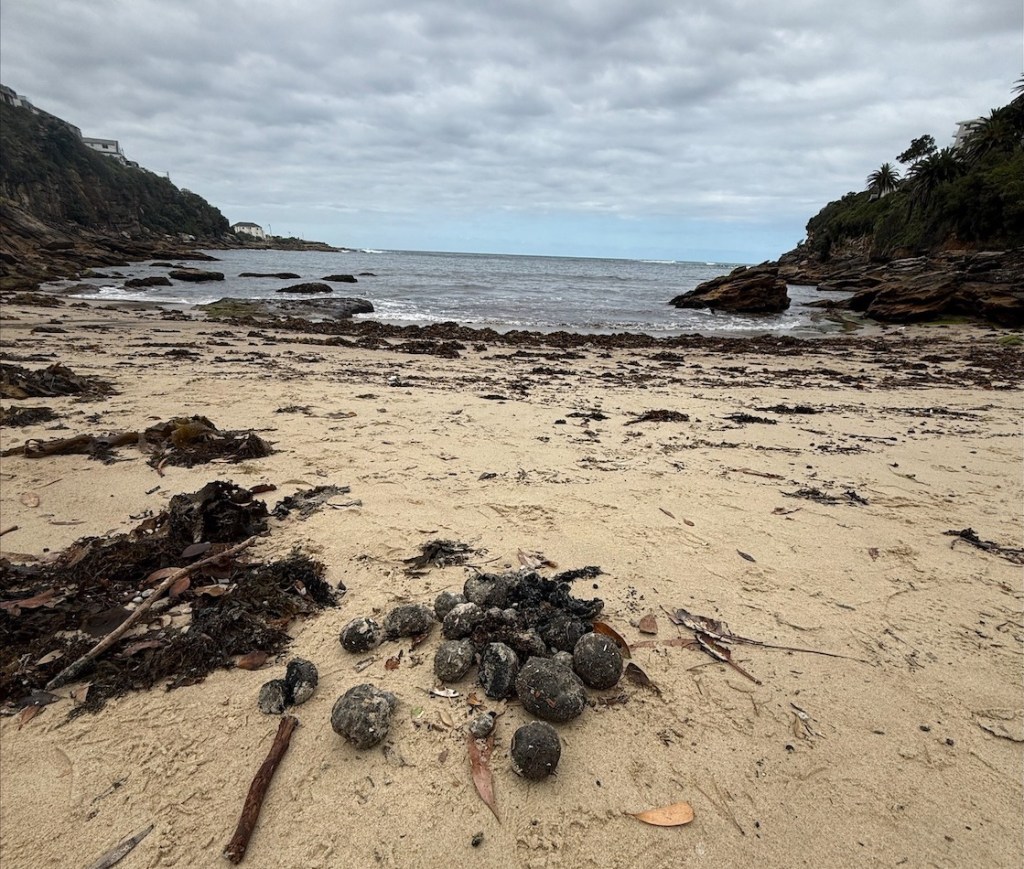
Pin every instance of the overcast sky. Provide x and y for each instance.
(673, 129)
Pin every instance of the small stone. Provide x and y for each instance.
(445, 602)
(597, 660)
(535, 750)
(301, 679)
(273, 697)
(563, 659)
(453, 660)
(550, 691)
(461, 620)
(487, 590)
(363, 715)
(361, 635)
(408, 620)
(477, 840)
(499, 667)
(482, 725)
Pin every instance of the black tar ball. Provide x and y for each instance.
(536, 750)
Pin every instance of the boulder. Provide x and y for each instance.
(754, 290)
(150, 281)
(341, 279)
(311, 287)
(285, 276)
(195, 276)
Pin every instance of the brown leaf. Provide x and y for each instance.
(675, 815)
(873, 552)
(609, 631)
(196, 549)
(30, 499)
(81, 692)
(44, 598)
(180, 587)
(480, 762)
(252, 661)
(676, 642)
(50, 657)
(393, 662)
(27, 714)
(418, 641)
(159, 575)
(474, 701)
(746, 556)
(260, 488)
(141, 646)
(442, 758)
(212, 590)
(667, 513)
(639, 677)
(688, 522)
(648, 624)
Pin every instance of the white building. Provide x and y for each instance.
(107, 147)
(964, 130)
(253, 229)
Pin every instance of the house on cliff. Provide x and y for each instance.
(246, 228)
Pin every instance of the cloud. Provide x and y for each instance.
(393, 120)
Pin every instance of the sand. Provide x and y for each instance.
(911, 749)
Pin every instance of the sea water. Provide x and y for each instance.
(503, 292)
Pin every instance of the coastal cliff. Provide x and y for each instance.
(945, 240)
(64, 207)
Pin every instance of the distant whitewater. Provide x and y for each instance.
(487, 290)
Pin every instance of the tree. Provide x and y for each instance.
(1001, 132)
(884, 180)
(920, 147)
(936, 169)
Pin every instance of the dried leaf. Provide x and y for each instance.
(180, 587)
(50, 657)
(688, 522)
(81, 692)
(746, 556)
(675, 642)
(160, 575)
(610, 632)
(211, 590)
(196, 549)
(648, 624)
(667, 513)
(252, 661)
(480, 762)
(442, 758)
(447, 693)
(260, 488)
(675, 815)
(30, 499)
(27, 714)
(446, 718)
(393, 662)
(418, 641)
(474, 701)
(639, 677)
(141, 646)
(873, 552)
(44, 598)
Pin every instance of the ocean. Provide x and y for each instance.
(503, 292)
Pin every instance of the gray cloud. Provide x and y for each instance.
(334, 116)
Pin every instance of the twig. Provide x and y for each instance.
(73, 671)
(235, 850)
(8, 530)
(121, 850)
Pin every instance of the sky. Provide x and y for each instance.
(668, 129)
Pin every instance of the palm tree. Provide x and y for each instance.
(936, 169)
(1001, 132)
(884, 180)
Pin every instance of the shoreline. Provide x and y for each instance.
(539, 443)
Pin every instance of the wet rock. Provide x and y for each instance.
(363, 715)
(343, 279)
(487, 590)
(300, 679)
(550, 691)
(535, 750)
(273, 697)
(408, 620)
(499, 667)
(461, 620)
(482, 725)
(746, 290)
(195, 275)
(361, 635)
(306, 288)
(445, 602)
(453, 660)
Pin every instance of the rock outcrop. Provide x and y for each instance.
(746, 290)
(195, 276)
(310, 287)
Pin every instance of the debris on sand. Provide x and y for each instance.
(17, 382)
(660, 416)
(820, 497)
(52, 613)
(439, 553)
(20, 417)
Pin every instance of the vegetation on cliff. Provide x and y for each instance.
(970, 196)
(47, 172)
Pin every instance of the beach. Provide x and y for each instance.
(804, 500)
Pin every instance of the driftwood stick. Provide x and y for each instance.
(121, 850)
(73, 671)
(235, 850)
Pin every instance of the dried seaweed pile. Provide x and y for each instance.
(182, 441)
(52, 613)
(19, 417)
(18, 382)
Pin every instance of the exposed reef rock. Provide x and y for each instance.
(746, 290)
